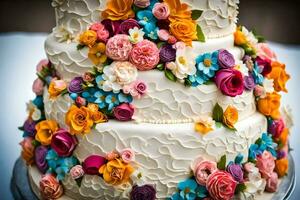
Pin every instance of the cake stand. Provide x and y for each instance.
(21, 190)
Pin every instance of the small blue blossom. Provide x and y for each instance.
(100, 98)
(112, 100)
(100, 81)
(89, 95)
(256, 73)
(268, 144)
(152, 3)
(239, 159)
(187, 190)
(151, 31)
(198, 79)
(145, 17)
(254, 151)
(38, 102)
(124, 98)
(208, 63)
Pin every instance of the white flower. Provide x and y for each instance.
(137, 178)
(184, 64)
(250, 36)
(63, 35)
(34, 111)
(136, 35)
(242, 68)
(287, 116)
(117, 75)
(268, 85)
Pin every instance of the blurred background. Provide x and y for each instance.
(25, 24)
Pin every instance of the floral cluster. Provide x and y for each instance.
(223, 180)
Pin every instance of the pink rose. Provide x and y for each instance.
(88, 77)
(249, 167)
(136, 89)
(221, 185)
(163, 35)
(42, 64)
(124, 112)
(276, 127)
(172, 39)
(259, 91)
(145, 55)
(50, 187)
(230, 82)
(264, 52)
(80, 101)
(102, 33)
(202, 169)
(38, 87)
(272, 183)
(119, 47)
(266, 164)
(179, 45)
(127, 155)
(76, 172)
(112, 155)
(96, 26)
(63, 143)
(92, 164)
(161, 11)
(142, 3)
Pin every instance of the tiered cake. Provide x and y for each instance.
(151, 99)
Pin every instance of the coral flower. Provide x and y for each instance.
(56, 87)
(279, 75)
(96, 115)
(282, 167)
(184, 30)
(270, 105)
(178, 10)
(230, 116)
(118, 10)
(97, 53)
(45, 130)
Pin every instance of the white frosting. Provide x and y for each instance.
(218, 18)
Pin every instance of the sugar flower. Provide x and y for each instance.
(116, 172)
(202, 169)
(279, 75)
(44, 63)
(272, 183)
(88, 94)
(112, 155)
(100, 98)
(225, 59)
(123, 112)
(118, 47)
(276, 127)
(249, 82)
(79, 120)
(142, 3)
(208, 63)
(230, 82)
(38, 87)
(27, 150)
(50, 187)
(236, 172)
(251, 39)
(112, 101)
(128, 24)
(264, 52)
(266, 164)
(77, 172)
(96, 115)
(190, 190)
(282, 167)
(242, 67)
(145, 192)
(161, 11)
(136, 35)
(92, 164)
(265, 65)
(145, 17)
(40, 158)
(184, 30)
(76, 85)
(29, 128)
(118, 10)
(167, 53)
(270, 105)
(255, 183)
(102, 32)
(230, 116)
(45, 131)
(136, 89)
(97, 53)
(56, 87)
(204, 124)
(268, 86)
(254, 151)
(88, 38)
(63, 143)
(113, 27)
(127, 155)
(163, 35)
(145, 55)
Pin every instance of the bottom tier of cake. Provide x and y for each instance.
(164, 153)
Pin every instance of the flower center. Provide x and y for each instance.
(113, 99)
(145, 19)
(207, 62)
(102, 98)
(135, 35)
(187, 190)
(182, 60)
(98, 54)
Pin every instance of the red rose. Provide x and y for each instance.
(221, 185)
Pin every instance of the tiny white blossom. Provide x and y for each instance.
(136, 35)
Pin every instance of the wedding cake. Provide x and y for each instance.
(156, 99)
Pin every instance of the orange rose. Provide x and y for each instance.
(184, 30)
(116, 172)
(27, 150)
(56, 87)
(282, 167)
(283, 138)
(118, 10)
(269, 106)
(96, 115)
(239, 38)
(279, 75)
(45, 130)
(79, 120)
(230, 116)
(178, 10)
(88, 38)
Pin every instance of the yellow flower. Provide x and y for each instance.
(282, 167)
(97, 53)
(184, 30)
(88, 38)
(279, 75)
(45, 130)
(116, 172)
(178, 10)
(56, 87)
(96, 115)
(204, 125)
(230, 116)
(118, 10)
(239, 38)
(269, 106)
(283, 138)
(79, 120)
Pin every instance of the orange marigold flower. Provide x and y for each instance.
(178, 10)
(184, 30)
(283, 138)
(96, 115)
(239, 38)
(118, 10)
(56, 87)
(45, 130)
(279, 75)
(88, 38)
(204, 125)
(230, 116)
(97, 53)
(269, 106)
(282, 167)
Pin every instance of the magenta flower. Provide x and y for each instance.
(63, 143)
(92, 164)
(124, 112)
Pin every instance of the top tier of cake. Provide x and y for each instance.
(217, 20)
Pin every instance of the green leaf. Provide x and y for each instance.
(187, 82)
(21, 128)
(196, 14)
(200, 34)
(80, 46)
(222, 163)
(218, 113)
(219, 124)
(209, 82)
(78, 181)
(240, 188)
(35, 143)
(160, 44)
(170, 75)
(160, 67)
(252, 160)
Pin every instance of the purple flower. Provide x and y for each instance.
(29, 127)
(124, 112)
(140, 87)
(63, 143)
(236, 172)
(145, 192)
(92, 164)
(40, 158)
(75, 85)
(113, 27)
(167, 53)
(128, 24)
(281, 154)
(225, 59)
(249, 82)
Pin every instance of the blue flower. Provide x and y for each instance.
(198, 79)
(187, 190)
(112, 100)
(268, 144)
(152, 3)
(239, 159)
(38, 102)
(256, 73)
(100, 98)
(100, 80)
(124, 98)
(208, 63)
(151, 31)
(89, 95)
(145, 17)
(254, 151)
